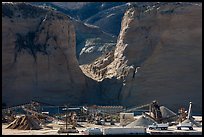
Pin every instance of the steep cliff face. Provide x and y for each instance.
(94, 35)
(38, 57)
(157, 56)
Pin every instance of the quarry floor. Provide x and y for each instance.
(48, 131)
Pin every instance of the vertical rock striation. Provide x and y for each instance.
(157, 56)
(39, 57)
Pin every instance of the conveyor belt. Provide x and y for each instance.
(34, 112)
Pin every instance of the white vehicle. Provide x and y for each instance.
(185, 125)
(158, 126)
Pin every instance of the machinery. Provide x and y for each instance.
(185, 125)
(182, 114)
(154, 112)
(158, 126)
(68, 130)
(188, 122)
(71, 119)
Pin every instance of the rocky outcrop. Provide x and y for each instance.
(39, 57)
(71, 5)
(80, 10)
(157, 56)
(110, 19)
(98, 69)
(92, 42)
(89, 9)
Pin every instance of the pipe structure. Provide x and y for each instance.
(189, 110)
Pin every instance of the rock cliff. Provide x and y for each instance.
(39, 57)
(94, 35)
(158, 56)
(110, 19)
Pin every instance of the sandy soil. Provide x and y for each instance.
(44, 131)
(48, 131)
(53, 131)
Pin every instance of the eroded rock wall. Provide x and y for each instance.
(158, 56)
(39, 57)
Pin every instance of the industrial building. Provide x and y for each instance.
(105, 109)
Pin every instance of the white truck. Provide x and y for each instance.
(158, 126)
(185, 125)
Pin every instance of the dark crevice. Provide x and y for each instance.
(26, 43)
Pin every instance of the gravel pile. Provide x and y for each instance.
(166, 112)
(141, 121)
(25, 123)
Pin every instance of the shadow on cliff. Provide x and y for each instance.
(106, 92)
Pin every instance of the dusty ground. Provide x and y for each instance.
(173, 131)
(47, 131)
(28, 132)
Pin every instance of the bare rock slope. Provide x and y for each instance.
(91, 42)
(39, 57)
(94, 36)
(110, 19)
(158, 56)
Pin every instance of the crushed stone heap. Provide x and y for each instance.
(26, 122)
(141, 121)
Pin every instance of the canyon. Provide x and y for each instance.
(156, 55)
